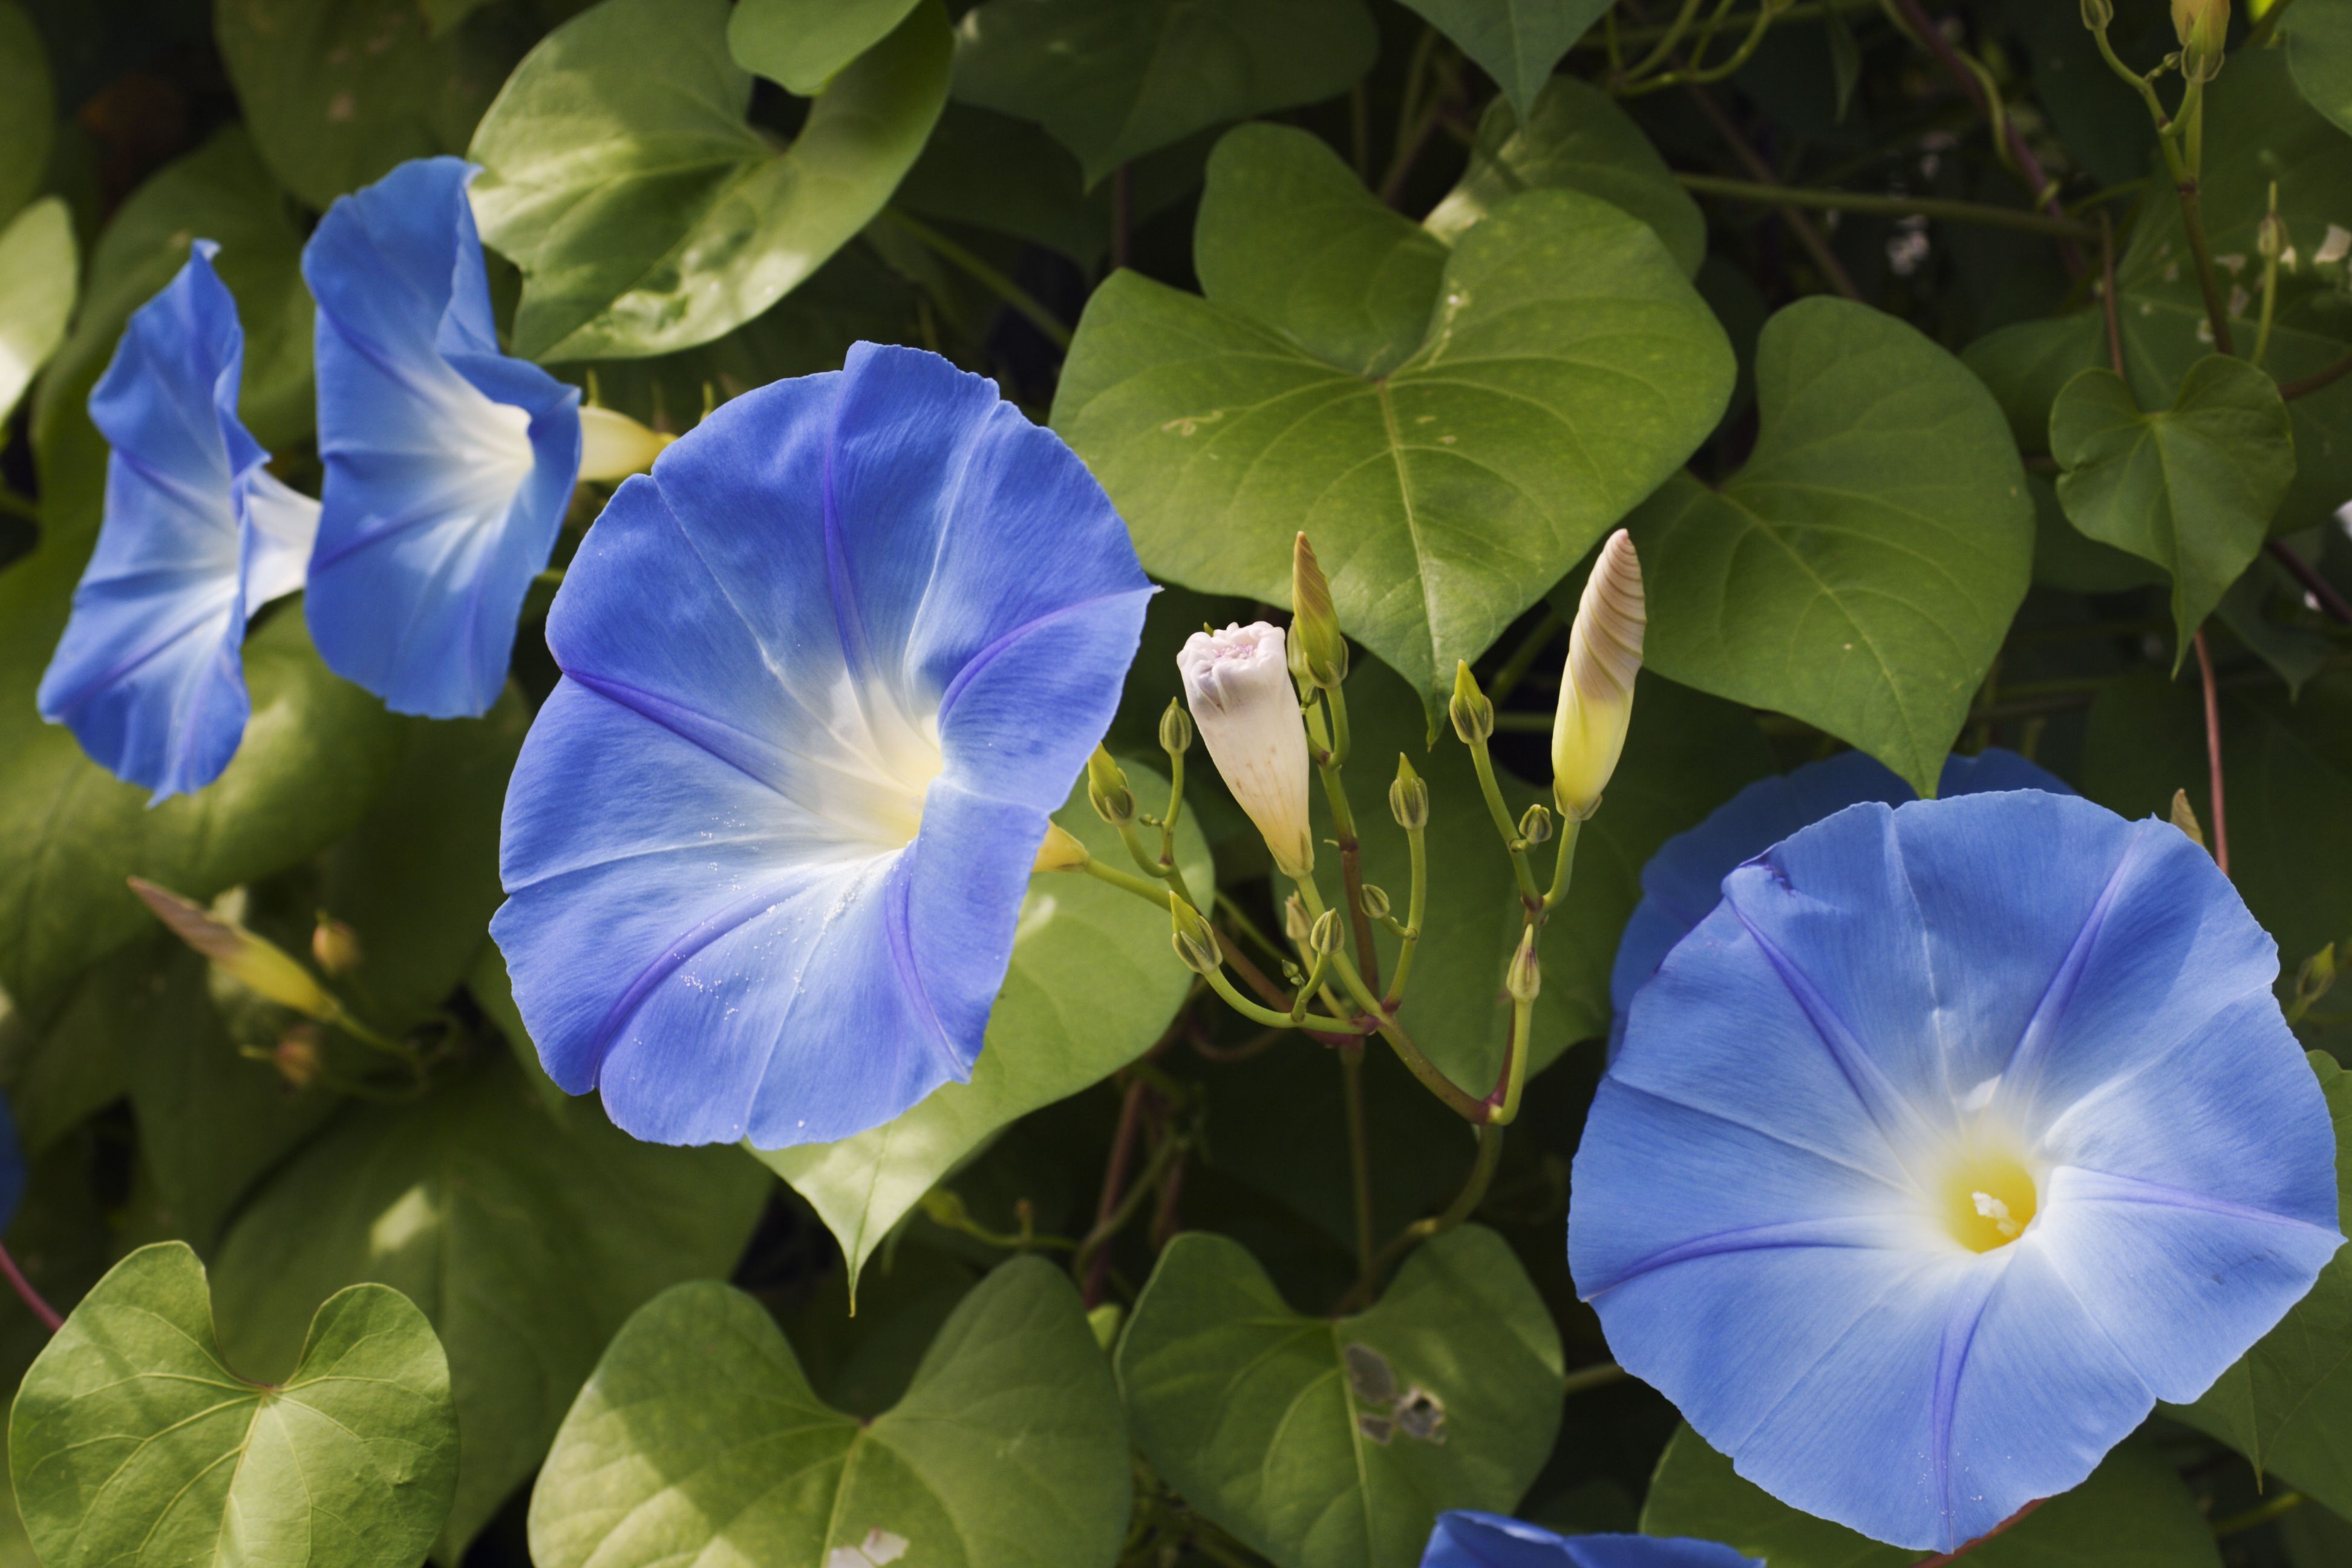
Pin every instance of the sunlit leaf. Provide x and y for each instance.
(38, 268)
(803, 45)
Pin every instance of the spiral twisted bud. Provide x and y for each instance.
(1194, 939)
(1470, 708)
(1596, 689)
(1238, 685)
(1107, 789)
(1318, 653)
(1409, 797)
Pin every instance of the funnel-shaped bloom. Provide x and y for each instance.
(1957, 1136)
(1466, 1540)
(1238, 682)
(1684, 877)
(448, 464)
(197, 535)
(826, 670)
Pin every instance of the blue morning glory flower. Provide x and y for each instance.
(449, 465)
(1684, 877)
(1467, 1539)
(1956, 1136)
(197, 535)
(826, 672)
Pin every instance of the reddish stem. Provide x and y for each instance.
(2317, 587)
(1970, 1546)
(1122, 1156)
(2214, 753)
(32, 1297)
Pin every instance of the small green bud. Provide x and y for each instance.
(1326, 934)
(1374, 901)
(1107, 789)
(2098, 14)
(2270, 235)
(1194, 939)
(2203, 28)
(1175, 729)
(1409, 797)
(1473, 714)
(2316, 977)
(335, 945)
(2184, 817)
(1294, 923)
(1524, 979)
(1318, 653)
(300, 1056)
(1535, 826)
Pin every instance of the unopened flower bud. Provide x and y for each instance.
(299, 1057)
(613, 446)
(1237, 683)
(1524, 979)
(1326, 934)
(1596, 690)
(1373, 899)
(335, 945)
(1194, 939)
(1061, 851)
(1318, 653)
(2203, 28)
(2316, 976)
(1107, 789)
(1473, 714)
(1535, 824)
(258, 964)
(2184, 817)
(1294, 923)
(1175, 729)
(1409, 797)
(2098, 14)
(2270, 235)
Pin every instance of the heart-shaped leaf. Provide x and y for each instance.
(1840, 577)
(132, 1440)
(37, 271)
(1092, 985)
(1327, 1442)
(1113, 80)
(1575, 139)
(2287, 1404)
(1517, 42)
(2319, 54)
(700, 1438)
(526, 1240)
(1564, 367)
(802, 45)
(646, 214)
(2132, 1513)
(2190, 488)
(336, 92)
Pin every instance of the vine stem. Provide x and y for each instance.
(32, 1297)
(1473, 1192)
(1983, 212)
(1600, 1374)
(2318, 380)
(2107, 292)
(1094, 1258)
(1359, 1161)
(1799, 225)
(2213, 752)
(2338, 610)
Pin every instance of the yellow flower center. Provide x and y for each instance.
(1988, 1201)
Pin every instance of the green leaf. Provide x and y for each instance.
(699, 1438)
(2287, 1404)
(2258, 131)
(1517, 42)
(314, 753)
(1576, 139)
(418, 878)
(646, 214)
(804, 44)
(1092, 985)
(1565, 369)
(219, 191)
(336, 92)
(2319, 57)
(28, 109)
(1837, 577)
(2190, 488)
(2132, 1513)
(131, 1439)
(38, 268)
(1326, 1442)
(1114, 79)
(2068, 560)
(527, 1242)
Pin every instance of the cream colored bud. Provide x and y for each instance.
(335, 945)
(613, 446)
(258, 964)
(1061, 851)
(1596, 690)
(1237, 683)
(1294, 923)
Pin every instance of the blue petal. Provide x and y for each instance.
(449, 465)
(196, 535)
(1467, 1539)
(826, 669)
(2003, 970)
(1683, 879)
